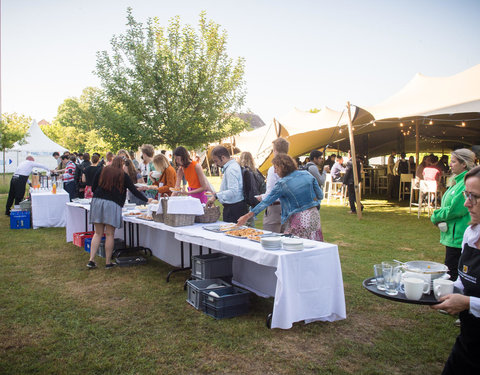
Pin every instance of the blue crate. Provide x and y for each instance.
(20, 220)
(101, 249)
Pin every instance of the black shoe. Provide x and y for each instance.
(91, 264)
(109, 266)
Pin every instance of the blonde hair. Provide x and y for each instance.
(161, 162)
(246, 160)
(465, 156)
(280, 146)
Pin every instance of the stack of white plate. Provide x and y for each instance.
(271, 243)
(292, 244)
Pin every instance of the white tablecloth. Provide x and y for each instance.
(307, 285)
(180, 205)
(48, 210)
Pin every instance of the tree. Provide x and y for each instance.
(171, 85)
(74, 127)
(13, 128)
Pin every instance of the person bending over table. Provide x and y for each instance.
(231, 188)
(136, 177)
(453, 211)
(299, 194)
(19, 181)
(109, 193)
(167, 178)
(193, 174)
(464, 358)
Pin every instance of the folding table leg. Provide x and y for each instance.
(182, 261)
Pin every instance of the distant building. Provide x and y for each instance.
(254, 120)
(43, 122)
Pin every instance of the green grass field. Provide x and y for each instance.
(57, 317)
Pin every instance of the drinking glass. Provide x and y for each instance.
(392, 276)
(378, 271)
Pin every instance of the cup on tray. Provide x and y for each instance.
(415, 287)
(392, 274)
(378, 272)
(442, 287)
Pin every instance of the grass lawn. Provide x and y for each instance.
(57, 317)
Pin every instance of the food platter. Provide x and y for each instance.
(244, 232)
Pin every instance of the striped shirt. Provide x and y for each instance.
(69, 174)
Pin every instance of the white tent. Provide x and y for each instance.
(36, 144)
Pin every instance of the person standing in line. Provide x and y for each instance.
(69, 177)
(109, 193)
(135, 162)
(19, 181)
(300, 195)
(349, 181)
(192, 172)
(316, 168)
(390, 175)
(246, 161)
(272, 220)
(452, 212)
(231, 188)
(167, 178)
(89, 174)
(464, 358)
(56, 156)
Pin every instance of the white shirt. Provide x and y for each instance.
(25, 168)
(470, 237)
(272, 179)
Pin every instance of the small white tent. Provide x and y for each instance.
(36, 144)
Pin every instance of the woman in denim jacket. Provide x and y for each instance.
(299, 194)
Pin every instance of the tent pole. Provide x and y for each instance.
(354, 163)
(417, 142)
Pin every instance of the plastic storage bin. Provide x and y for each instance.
(79, 238)
(20, 220)
(196, 287)
(230, 302)
(211, 266)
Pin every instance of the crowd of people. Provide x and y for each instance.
(291, 197)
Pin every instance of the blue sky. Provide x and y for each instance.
(299, 53)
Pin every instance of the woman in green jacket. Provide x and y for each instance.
(453, 217)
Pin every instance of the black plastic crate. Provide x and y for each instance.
(130, 261)
(226, 312)
(227, 279)
(211, 266)
(196, 287)
(227, 297)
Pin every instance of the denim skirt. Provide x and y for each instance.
(103, 211)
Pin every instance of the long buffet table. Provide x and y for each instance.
(306, 285)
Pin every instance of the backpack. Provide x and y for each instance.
(261, 182)
(250, 187)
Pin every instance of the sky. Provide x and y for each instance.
(299, 54)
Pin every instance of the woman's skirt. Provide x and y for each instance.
(103, 211)
(203, 198)
(305, 224)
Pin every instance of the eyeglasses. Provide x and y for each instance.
(472, 197)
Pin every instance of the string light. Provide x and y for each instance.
(430, 123)
(463, 123)
(401, 124)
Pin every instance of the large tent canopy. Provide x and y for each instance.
(37, 144)
(443, 111)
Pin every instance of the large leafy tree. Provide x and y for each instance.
(172, 85)
(75, 126)
(13, 128)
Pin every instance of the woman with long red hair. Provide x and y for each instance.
(109, 193)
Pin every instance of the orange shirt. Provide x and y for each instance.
(168, 179)
(191, 176)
